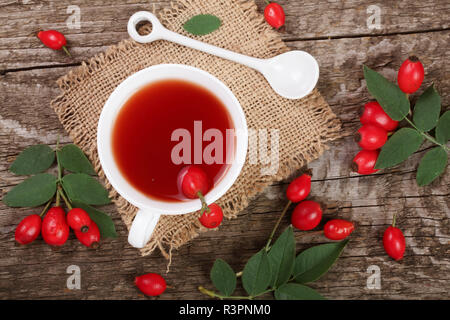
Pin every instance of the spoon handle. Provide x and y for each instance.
(159, 32)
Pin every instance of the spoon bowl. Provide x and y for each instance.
(293, 74)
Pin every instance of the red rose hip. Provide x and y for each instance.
(192, 180)
(338, 229)
(78, 220)
(91, 237)
(410, 75)
(364, 161)
(306, 215)
(299, 188)
(54, 40)
(274, 15)
(28, 229)
(371, 137)
(55, 229)
(373, 113)
(394, 242)
(151, 284)
(213, 218)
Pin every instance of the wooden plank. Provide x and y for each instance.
(38, 272)
(309, 19)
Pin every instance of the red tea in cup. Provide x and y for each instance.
(142, 142)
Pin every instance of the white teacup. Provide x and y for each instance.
(151, 209)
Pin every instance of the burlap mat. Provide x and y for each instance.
(304, 125)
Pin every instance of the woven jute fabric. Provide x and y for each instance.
(304, 125)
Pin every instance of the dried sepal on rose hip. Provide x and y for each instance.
(78, 220)
(364, 161)
(91, 237)
(151, 284)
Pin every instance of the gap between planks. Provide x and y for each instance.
(287, 40)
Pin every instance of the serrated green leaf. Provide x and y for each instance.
(73, 159)
(202, 24)
(443, 128)
(393, 100)
(295, 291)
(32, 160)
(281, 257)
(32, 192)
(256, 275)
(431, 166)
(101, 219)
(223, 277)
(399, 147)
(314, 262)
(427, 109)
(84, 188)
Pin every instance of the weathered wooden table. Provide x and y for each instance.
(341, 35)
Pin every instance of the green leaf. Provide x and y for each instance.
(427, 109)
(399, 147)
(393, 100)
(103, 221)
(281, 257)
(431, 166)
(223, 277)
(32, 192)
(443, 128)
(202, 24)
(84, 188)
(314, 262)
(295, 291)
(33, 160)
(256, 275)
(73, 159)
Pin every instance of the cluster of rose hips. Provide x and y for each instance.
(308, 214)
(377, 125)
(374, 134)
(55, 227)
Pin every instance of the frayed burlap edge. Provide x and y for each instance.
(169, 241)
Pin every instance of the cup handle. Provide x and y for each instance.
(142, 228)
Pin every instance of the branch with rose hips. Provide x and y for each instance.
(380, 119)
(276, 268)
(78, 190)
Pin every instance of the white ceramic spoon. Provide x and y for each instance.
(292, 75)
